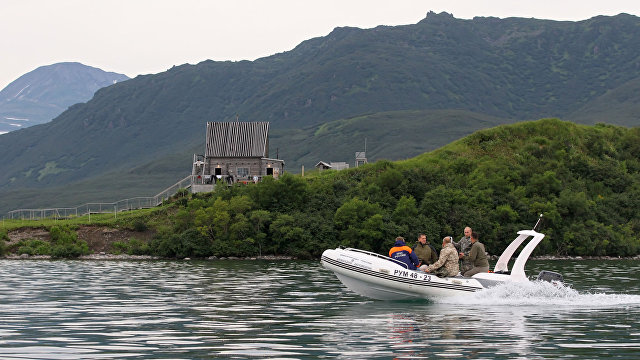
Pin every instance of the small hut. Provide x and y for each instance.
(340, 165)
(321, 165)
(236, 152)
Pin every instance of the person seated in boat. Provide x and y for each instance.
(400, 251)
(477, 256)
(424, 251)
(447, 264)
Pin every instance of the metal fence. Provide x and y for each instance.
(103, 208)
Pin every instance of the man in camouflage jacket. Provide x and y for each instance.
(447, 264)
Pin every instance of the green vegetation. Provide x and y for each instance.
(617, 106)
(132, 247)
(64, 244)
(507, 69)
(584, 179)
(4, 237)
(64, 241)
(138, 220)
(33, 247)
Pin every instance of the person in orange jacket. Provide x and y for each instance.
(400, 251)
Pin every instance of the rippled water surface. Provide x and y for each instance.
(296, 309)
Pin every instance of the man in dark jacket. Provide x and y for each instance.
(425, 252)
(464, 246)
(400, 251)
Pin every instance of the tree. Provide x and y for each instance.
(260, 220)
(359, 224)
(286, 233)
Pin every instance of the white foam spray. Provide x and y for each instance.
(542, 293)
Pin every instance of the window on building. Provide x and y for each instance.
(242, 172)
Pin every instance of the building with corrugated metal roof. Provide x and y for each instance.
(334, 165)
(236, 152)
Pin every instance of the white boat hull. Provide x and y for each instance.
(382, 279)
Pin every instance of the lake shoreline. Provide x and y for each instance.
(126, 257)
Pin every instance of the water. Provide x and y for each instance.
(297, 310)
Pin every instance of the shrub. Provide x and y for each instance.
(4, 236)
(33, 247)
(140, 226)
(190, 243)
(65, 243)
(182, 192)
(137, 247)
(193, 244)
(119, 247)
(164, 245)
(24, 250)
(70, 250)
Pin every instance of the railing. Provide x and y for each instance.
(227, 179)
(103, 208)
(171, 190)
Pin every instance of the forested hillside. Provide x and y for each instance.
(584, 179)
(511, 69)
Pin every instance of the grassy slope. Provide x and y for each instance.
(389, 135)
(618, 106)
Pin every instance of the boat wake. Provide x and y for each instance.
(541, 293)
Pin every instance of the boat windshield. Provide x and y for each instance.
(380, 256)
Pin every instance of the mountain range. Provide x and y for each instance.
(406, 89)
(39, 96)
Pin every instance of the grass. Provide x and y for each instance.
(122, 219)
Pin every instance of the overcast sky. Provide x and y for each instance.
(149, 36)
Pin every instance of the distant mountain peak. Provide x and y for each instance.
(442, 15)
(42, 94)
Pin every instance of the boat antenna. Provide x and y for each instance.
(538, 222)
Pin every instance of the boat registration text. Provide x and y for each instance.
(412, 275)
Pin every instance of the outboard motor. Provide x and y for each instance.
(550, 276)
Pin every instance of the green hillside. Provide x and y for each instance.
(515, 69)
(620, 106)
(391, 135)
(584, 179)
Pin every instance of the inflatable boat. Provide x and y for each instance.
(381, 277)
